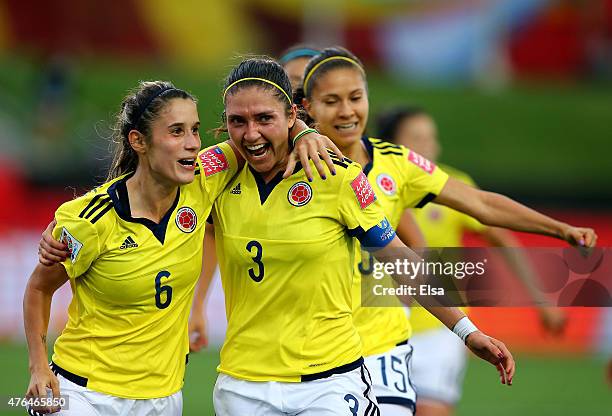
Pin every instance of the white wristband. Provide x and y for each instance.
(464, 327)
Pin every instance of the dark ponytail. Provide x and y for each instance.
(138, 111)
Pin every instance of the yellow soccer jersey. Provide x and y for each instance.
(401, 179)
(441, 227)
(133, 281)
(286, 269)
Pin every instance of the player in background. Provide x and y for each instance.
(294, 60)
(134, 256)
(334, 94)
(438, 361)
(291, 346)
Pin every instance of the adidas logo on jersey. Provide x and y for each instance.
(236, 190)
(128, 243)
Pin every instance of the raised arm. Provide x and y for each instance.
(500, 211)
(313, 146)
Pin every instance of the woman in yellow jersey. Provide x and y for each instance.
(438, 361)
(134, 255)
(286, 267)
(334, 94)
(134, 252)
(293, 60)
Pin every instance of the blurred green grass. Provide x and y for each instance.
(543, 386)
(538, 140)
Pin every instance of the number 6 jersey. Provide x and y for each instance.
(286, 255)
(133, 283)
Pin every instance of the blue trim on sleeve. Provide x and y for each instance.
(426, 199)
(356, 232)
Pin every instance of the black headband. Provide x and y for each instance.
(140, 111)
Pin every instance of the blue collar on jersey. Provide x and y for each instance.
(265, 189)
(370, 150)
(119, 195)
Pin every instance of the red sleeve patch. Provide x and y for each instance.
(213, 161)
(421, 162)
(363, 190)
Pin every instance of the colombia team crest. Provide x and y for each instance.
(186, 219)
(386, 184)
(299, 194)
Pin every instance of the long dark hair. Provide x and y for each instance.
(139, 109)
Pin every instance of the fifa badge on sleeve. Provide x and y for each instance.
(74, 245)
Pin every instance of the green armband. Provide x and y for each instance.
(303, 133)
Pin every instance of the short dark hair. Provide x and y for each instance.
(388, 121)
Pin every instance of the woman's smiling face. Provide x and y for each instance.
(339, 105)
(258, 124)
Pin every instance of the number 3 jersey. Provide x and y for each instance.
(286, 269)
(133, 281)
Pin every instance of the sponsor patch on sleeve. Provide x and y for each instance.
(425, 164)
(363, 191)
(213, 161)
(74, 245)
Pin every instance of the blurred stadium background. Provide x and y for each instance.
(521, 91)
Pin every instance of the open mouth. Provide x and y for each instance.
(347, 127)
(187, 163)
(258, 150)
